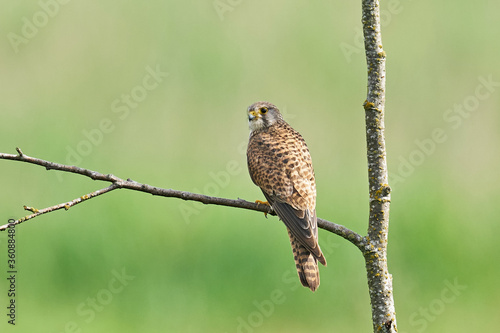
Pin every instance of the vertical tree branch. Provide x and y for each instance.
(375, 252)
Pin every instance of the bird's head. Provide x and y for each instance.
(262, 115)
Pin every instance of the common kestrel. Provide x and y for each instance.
(280, 164)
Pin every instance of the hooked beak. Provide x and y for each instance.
(252, 115)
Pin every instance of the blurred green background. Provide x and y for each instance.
(65, 73)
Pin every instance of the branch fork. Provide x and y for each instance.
(118, 183)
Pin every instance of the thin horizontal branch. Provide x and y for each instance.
(118, 183)
(65, 205)
(343, 232)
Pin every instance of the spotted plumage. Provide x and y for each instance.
(280, 164)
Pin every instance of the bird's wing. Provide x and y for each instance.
(302, 224)
(280, 164)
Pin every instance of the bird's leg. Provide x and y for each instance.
(263, 203)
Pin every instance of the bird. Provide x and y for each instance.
(280, 164)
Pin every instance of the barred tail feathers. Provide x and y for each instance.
(306, 264)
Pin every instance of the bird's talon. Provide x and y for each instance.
(263, 203)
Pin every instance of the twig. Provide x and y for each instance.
(375, 252)
(118, 183)
(65, 205)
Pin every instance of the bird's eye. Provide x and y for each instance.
(263, 110)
